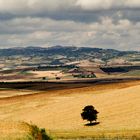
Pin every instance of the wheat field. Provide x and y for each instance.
(59, 111)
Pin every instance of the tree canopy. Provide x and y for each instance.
(89, 113)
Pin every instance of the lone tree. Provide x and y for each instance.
(89, 113)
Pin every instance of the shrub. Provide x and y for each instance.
(39, 133)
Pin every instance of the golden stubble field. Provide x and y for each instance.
(59, 111)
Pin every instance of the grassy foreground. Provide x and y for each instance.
(98, 135)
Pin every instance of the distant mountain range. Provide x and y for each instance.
(69, 52)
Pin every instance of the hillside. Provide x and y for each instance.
(66, 52)
(20, 58)
(59, 110)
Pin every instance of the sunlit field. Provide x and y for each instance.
(58, 111)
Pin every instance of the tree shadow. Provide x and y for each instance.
(92, 124)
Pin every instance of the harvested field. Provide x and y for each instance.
(50, 74)
(16, 130)
(12, 130)
(59, 110)
(6, 92)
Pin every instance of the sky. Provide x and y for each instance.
(83, 23)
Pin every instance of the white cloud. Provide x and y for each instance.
(98, 23)
(76, 10)
(33, 6)
(24, 7)
(107, 4)
(47, 32)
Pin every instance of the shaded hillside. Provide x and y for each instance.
(65, 52)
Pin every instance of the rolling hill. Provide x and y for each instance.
(66, 52)
(59, 111)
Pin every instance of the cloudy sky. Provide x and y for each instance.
(93, 23)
